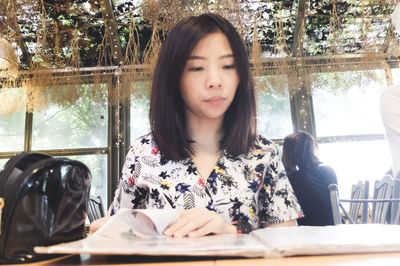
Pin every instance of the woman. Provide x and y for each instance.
(309, 179)
(203, 154)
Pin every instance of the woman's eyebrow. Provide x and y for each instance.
(194, 57)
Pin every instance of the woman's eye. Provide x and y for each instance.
(196, 68)
(232, 66)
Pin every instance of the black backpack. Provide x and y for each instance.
(45, 202)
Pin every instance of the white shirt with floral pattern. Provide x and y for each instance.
(252, 187)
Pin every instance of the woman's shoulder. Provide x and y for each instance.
(142, 144)
(325, 168)
(264, 144)
(263, 149)
(327, 172)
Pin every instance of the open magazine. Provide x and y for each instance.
(139, 232)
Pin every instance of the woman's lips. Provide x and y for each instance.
(215, 100)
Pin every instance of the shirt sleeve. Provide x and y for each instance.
(277, 202)
(128, 194)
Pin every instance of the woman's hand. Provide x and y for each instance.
(96, 224)
(199, 222)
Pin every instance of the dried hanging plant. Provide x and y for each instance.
(57, 59)
(9, 62)
(73, 81)
(131, 60)
(161, 16)
(257, 70)
(12, 100)
(105, 59)
(281, 53)
(36, 83)
(151, 51)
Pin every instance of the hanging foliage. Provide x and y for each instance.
(62, 44)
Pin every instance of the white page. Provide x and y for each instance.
(143, 223)
(339, 239)
(214, 245)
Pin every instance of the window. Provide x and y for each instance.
(348, 103)
(140, 105)
(97, 165)
(346, 107)
(396, 75)
(355, 161)
(12, 129)
(81, 125)
(2, 163)
(273, 109)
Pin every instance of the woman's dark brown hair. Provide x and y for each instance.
(299, 151)
(167, 113)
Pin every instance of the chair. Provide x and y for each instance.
(359, 191)
(395, 207)
(387, 195)
(385, 204)
(95, 208)
(383, 190)
(359, 197)
(337, 206)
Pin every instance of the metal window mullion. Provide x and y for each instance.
(28, 132)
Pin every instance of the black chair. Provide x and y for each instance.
(337, 206)
(383, 190)
(395, 207)
(385, 203)
(95, 208)
(359, 191)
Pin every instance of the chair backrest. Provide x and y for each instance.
(383, 190)
(395, 207)
(95, 208)
(337, 206)
(334, 195)
(359, 191)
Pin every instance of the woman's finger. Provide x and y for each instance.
(189, 220)
(197, 221)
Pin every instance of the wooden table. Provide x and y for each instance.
(375, 259)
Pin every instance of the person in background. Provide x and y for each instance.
(309, 179)
(390, 110)
(203, 154)
(390, 113)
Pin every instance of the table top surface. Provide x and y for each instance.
(337, 260)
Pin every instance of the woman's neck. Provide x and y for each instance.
(206, 134)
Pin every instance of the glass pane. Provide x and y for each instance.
(81, 125)
(356, 161)
(97, 165)
(12, 132)
(2, 163)
(273, 107)
(396, 75)
(140, 105)
(348, 103)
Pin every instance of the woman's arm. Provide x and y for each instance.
(287, 223)
(95, 225)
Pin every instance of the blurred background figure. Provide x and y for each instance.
(309, 178)
(390, 110)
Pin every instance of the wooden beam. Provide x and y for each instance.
(118, 113)
(298, 35)
(301, 104)
(110, 23)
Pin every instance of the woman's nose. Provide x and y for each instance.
(214, 80)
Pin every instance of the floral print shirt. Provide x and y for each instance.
(253, 187)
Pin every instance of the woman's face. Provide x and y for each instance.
(209, 79)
